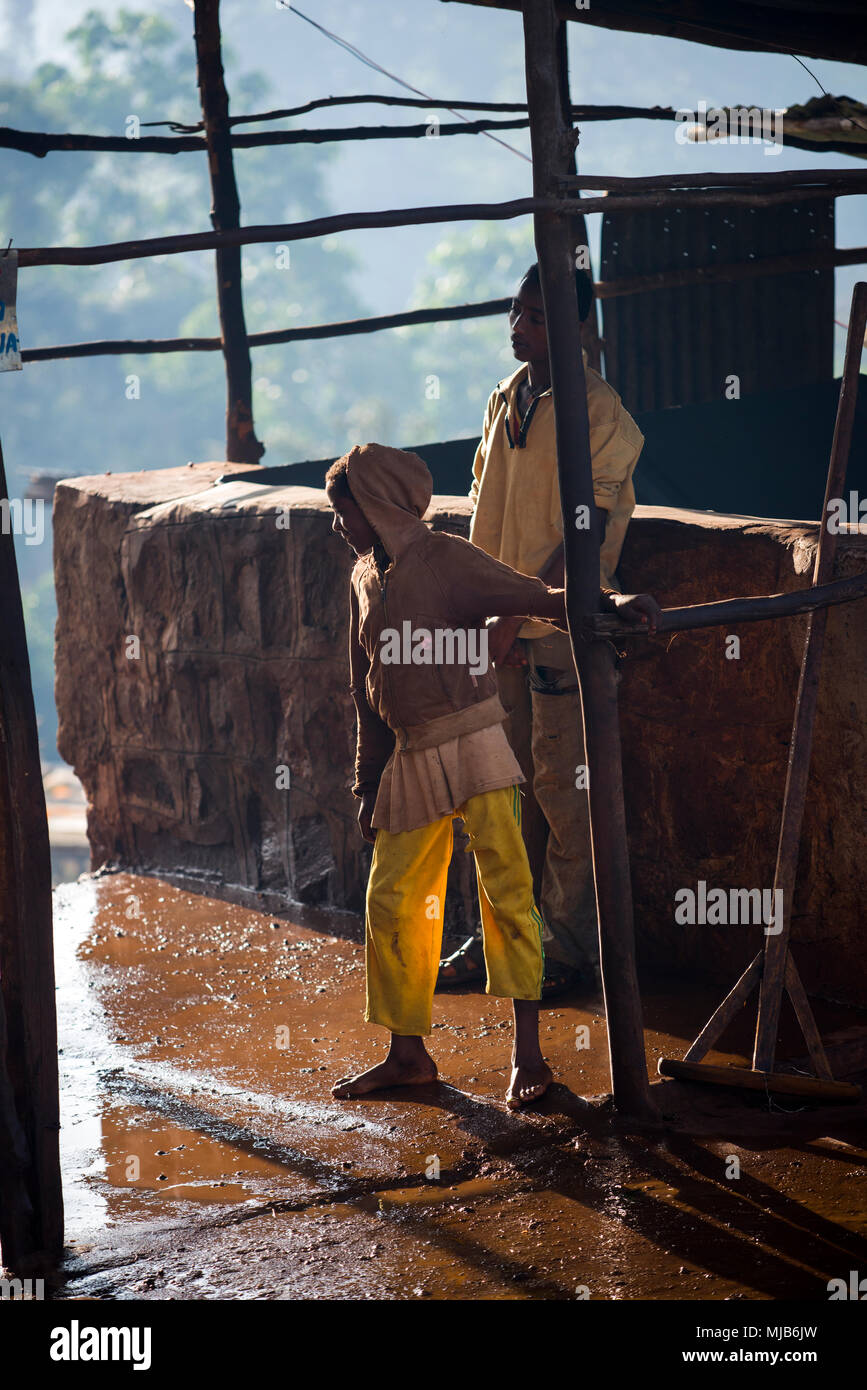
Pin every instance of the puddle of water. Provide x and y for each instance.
(145, 1154)
(148, 1050)
(121, 1163)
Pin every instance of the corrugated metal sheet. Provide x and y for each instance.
(677, 347)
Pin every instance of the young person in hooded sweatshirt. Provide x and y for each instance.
(431, 746)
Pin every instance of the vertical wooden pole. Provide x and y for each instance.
(17, 1235)
(590, 326)
(31, 1213)
(552, 150)
(801, 746)
(242, 446)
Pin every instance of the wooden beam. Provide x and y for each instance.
(242, 446)
(780, 1083)
(764, 195)
(727, 272)
(831, 32)
(800, 749)
(144, 247)
(552, 149)
(366, 99)
(590, 327)
(727, 1011)
(40, 144)
(578, 114)
(648, 183)
(362, 99)
(188, 140)
(32, 1230)
(17, 1233)
(589, 113)
(273, 336)
(804, 1014)
(732, 611)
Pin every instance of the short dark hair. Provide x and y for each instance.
(583, 287)
(337, 478)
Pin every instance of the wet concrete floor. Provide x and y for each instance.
(204, 1157)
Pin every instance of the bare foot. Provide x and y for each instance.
(528, 1083)
(392, 1072)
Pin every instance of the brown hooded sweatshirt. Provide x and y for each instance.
(418, 643)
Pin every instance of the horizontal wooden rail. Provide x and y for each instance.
(784, 178)
(188, 138)
(280, 335)
(765, 192)
(38, 144)
(726, 271)
(285, 231)
(732, 611)
(579, 113)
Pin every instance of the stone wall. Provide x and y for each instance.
(201, 648)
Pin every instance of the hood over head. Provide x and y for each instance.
(393, 488)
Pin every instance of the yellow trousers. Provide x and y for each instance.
(405, 902)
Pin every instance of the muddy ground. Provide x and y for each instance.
(205, 1158)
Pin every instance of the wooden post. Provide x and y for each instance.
(16, 1210)
(590, 327)
(242, 446)
(777, 971)
(552, 149)
(31, 1209)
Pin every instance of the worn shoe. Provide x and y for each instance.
(559, 978)
(465, 966)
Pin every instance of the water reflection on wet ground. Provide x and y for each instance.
(204, 1156)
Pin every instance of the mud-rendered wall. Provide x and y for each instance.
(201, 654)
(201, 686)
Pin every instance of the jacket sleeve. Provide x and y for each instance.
(478, 587)
(374, 740)
(615, 443)
(481, 452)
(616, 522)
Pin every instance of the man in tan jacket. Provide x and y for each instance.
(517, 519)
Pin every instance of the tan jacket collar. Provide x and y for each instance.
(509, 384)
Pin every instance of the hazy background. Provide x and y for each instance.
(73, 66)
